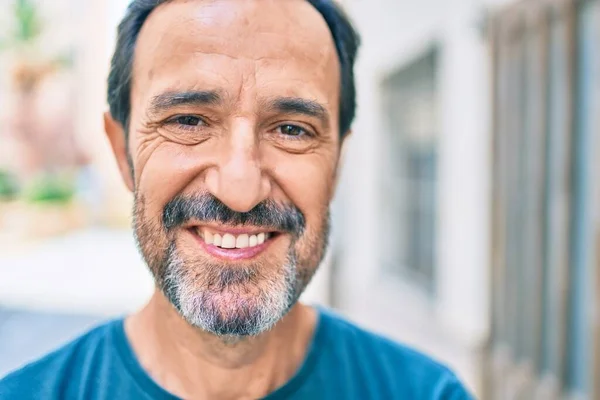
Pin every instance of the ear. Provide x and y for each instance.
(342, 157)
(116, 136)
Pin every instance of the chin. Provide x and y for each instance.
(230, 301)
(234, 312)
(231, 314)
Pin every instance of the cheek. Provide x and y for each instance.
(308, 181)
(166, 172)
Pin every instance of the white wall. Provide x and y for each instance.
(464, 172)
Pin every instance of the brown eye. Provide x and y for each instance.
(292, 130)
(188, 120)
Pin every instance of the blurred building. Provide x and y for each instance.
(467, 217)
(546, 203)
(413, 207)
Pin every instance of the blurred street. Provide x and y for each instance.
(52, 291)
(101, 268)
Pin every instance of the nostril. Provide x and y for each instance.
(240, 186)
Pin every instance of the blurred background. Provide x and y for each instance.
(466, 224)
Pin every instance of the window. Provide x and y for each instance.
(410, 182)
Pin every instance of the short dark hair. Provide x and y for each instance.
(344, 35)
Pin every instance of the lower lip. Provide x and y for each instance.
(233, 254)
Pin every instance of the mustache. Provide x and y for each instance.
(207, 208)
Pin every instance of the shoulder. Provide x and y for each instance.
(392, 364)
(49, 376)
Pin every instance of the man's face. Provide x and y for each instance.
(234, 140)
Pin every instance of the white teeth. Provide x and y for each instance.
(208, 238)
(228, 241)
(252, 241)
(242, 241)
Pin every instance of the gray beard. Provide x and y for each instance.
(234, 302)
(231, 302)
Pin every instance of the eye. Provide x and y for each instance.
(188, 120)
(292, 130)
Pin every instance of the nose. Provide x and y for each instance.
(238, 181)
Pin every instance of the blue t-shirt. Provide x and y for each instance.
(343, 362)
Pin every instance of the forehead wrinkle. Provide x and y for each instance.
(274, 50)
(183, 58)
(201, 74)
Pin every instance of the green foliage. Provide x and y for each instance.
(51, 188)
(9, 185)
(29, 24)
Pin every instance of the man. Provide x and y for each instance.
(227, 119)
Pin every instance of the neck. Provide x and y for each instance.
(192, 363)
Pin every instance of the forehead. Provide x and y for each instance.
(281, 46)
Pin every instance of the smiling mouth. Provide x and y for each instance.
(233, 245)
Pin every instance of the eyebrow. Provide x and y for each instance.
(296, 105)
(169, 100)
(287, 105)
